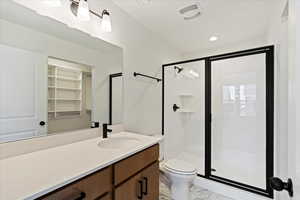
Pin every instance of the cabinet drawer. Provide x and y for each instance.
(130, 166)
(88, 188)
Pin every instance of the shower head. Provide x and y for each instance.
(179, 69)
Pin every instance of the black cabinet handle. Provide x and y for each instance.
(140, 190)
(82, 196)
(42, 123)
(145, 192)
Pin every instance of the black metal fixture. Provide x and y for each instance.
(179, 69)
(81, 10)
(175, 107)
(139, 74)
(105, 130)
(278, 185)
(111, 77)
(42, 123)
(95, 124)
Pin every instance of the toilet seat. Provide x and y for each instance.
(179, 167)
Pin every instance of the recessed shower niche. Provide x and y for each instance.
(187, 102)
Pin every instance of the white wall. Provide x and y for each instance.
(143, 52)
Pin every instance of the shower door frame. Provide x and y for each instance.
(269, 51)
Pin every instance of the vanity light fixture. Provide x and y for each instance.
(106, 22)
(52, 3)
(81, 10)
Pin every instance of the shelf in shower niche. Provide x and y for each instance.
(62, 99)
(185, 111)
(186, 95)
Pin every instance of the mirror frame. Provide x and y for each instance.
(111, 76)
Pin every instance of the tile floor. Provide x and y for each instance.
(197, 193)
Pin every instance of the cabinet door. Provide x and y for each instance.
(105, 197)
(130, 190)
(150, 178)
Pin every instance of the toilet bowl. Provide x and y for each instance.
(180, 175)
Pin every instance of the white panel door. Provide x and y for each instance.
(23, 94)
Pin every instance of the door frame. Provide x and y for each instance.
(269, 51)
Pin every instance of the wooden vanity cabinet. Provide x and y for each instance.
(134, 178)
(137, 177)
(143, 186)
(150, 178)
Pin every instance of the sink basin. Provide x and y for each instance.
(118, 142)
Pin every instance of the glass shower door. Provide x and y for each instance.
(238, 126)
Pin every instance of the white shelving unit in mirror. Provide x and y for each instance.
(64, 91)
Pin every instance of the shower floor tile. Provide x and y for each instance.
(197, 193)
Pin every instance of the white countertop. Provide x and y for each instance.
(32, 175)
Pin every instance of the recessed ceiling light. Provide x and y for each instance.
(213, 38)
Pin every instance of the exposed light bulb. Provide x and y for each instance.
(83, 12)
(52, 3)
(213, 38)
(106, 22)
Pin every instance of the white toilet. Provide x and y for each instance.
(177, 174)
(180, 175)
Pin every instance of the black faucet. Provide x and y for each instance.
(105, 130)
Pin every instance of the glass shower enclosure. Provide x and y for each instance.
(218, 115)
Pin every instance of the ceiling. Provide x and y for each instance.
(231, 21)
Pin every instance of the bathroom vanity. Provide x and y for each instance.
(123, 167)
(136, 177)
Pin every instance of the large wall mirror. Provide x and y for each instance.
(54, 79)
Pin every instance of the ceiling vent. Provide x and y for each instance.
(191, 12)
